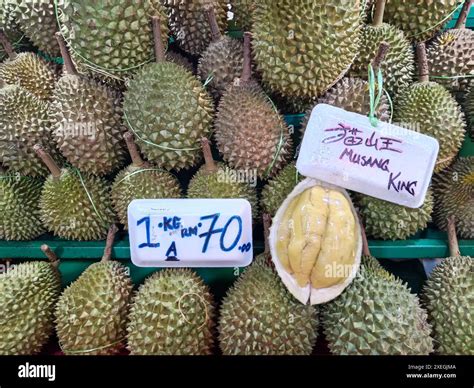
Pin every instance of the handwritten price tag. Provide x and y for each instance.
(190, 232)
(387, 162)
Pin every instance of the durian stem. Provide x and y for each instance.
(379, 12)
(215, 30)
(50, 255)
(133, 151)
(160, 55)
(423, 68)
(365, 242)
(247, 67)
(206, 150)
(109, 244)
(452, 238)
(381, 54)
(461, 23)
(267, 223)
(68, 64)
(7, 46)
(48, 161)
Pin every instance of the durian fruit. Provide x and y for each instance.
(398, 65)
(215, 180)
(37, 19)
(243, 11)
(91, 314)
(189, 22)
(169, 111)
(451, 54)
(389, 221)
(454, 196)
(172, 314)
(419, 19)
(9, 25)
(259, 317)
(278, 188)
(27, 70)
(433, 111)
(376, 315)
(315, 242)
(251, 134)
(449, 299)
(469, 106)
(74, 206)
(113, 38)
(178, 59)
(221, 63)
(140, 180)
(87, 121)
(29, 294)
(24, 122)
(19, 207)
(303, 48)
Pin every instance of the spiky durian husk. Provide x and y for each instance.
(469, 107)
(305, 58)
(91, 314)
(141, 183)
(451, 54)
(29, 293)
(399, 63)
(19, 208)
(388, 221)
(24, 122)
(290, 105)
(223, 183)
(376, 315)
(433, 111)
(454, 196)
(189, 22)
(178, 59)
(250, 133)
(172, 314)
(67, 210)
(367, 10)
(87, 124)
(243, 11)
(260, 317)
(278, 188)
(37, 19)
(351, 94)
(419, 19)
(112, 38)
(449, 297)
(9, 25)
(222, 63)
(167, 106)
(31, 73)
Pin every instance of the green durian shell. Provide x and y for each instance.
(469, 107)
(9, 25)
(91, 314)
(260, 317)
(29, 293)
(449, 299)
(243, 11)
(172, 314)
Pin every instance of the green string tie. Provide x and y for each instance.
(375, 100)
(75, 170)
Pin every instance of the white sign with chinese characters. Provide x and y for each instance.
(387, 162)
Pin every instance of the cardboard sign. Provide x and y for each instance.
(190, 232)
(387, 162)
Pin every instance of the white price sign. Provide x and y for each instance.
(387, 162)
(190, 232)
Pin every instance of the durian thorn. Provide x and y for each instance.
(379, 12)
(109, 243)
(47, 160)
(365, 242)
(247, 67)
(267, 223)
(461, 23)
(48, 252)
(68, 63)
(215, 30)
(422, 58)
(7, 46)
(133, 151)
(452, 238)
(211, 165)
(381, 55)
(160, 55)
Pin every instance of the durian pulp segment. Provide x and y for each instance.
(316, 239)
